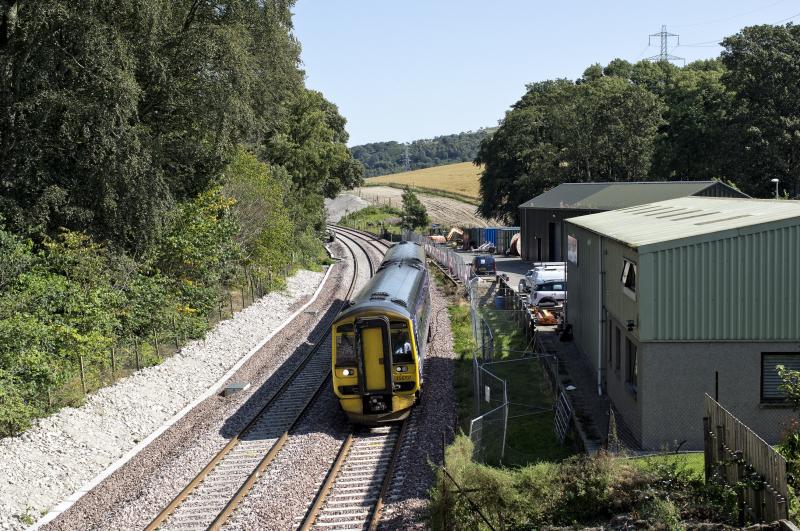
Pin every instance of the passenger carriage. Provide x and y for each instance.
(379, 340)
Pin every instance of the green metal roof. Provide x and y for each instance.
(611, 196)
(673, 223)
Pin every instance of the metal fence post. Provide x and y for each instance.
(505, 422)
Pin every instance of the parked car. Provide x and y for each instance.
(484, 265)
(548, 293)
(541, 272)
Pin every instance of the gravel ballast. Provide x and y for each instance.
(60, 453)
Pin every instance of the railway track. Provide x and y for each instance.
(209, 500)
(354, 490)
(371, 239)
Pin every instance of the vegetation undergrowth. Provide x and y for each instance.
(375, 217)
(76, 315)
(578, 491)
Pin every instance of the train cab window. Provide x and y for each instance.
(402, 352)
(345, 349)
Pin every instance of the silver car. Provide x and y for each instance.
(541, 272)
(549, 293)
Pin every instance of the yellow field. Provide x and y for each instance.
(460, 178)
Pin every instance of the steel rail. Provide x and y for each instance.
(327, 485)
(387, 479)
(244, 489)
(343, 458)
(367, 236)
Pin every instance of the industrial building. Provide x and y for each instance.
(678, 298)
(542, 218)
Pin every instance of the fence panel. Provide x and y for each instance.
(738, 456)
(488, 435)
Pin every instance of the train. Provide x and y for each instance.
(380, 338)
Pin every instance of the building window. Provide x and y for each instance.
(770, 381)
(629, 278)
(632, 372)
(617, 347)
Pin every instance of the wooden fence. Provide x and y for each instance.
(742, 459)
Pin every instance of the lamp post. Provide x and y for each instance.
(776, 181)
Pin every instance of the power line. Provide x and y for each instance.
(664, 37)
(715, 42)
(732, 17)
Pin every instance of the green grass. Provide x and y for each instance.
(693, 463)
(371, 215)
(530, 437)
(463, 346)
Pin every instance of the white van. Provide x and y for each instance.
(542, 272)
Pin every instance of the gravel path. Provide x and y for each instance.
(337, 208)
(61, 453)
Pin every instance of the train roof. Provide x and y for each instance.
(396, 285)
(405, 251)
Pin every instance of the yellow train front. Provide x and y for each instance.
(379, 340)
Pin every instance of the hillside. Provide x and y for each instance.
(383, 158)
(462, 179)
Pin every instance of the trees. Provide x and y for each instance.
(150, 153)
(735, 118)
(763, 70)
(381, 158)
(414, 215)
(113, 112)
(601, 129)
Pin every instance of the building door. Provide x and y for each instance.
(551, 242)
(538, 249)
(556, 256)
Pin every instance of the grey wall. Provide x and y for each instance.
(673, 378)
(583, 311)
(624, 398)
(535, 224)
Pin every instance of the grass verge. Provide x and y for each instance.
(374, 216)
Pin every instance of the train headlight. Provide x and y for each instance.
(401, 368)
(347, 372)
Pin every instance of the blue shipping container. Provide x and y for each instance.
(491, 235)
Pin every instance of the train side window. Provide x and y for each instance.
(345, 350)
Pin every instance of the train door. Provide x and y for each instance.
(374, 364)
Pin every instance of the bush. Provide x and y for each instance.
(581, 490)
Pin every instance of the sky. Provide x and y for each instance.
(409, 69)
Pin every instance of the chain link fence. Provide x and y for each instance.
(511, 386)
(513, 389)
